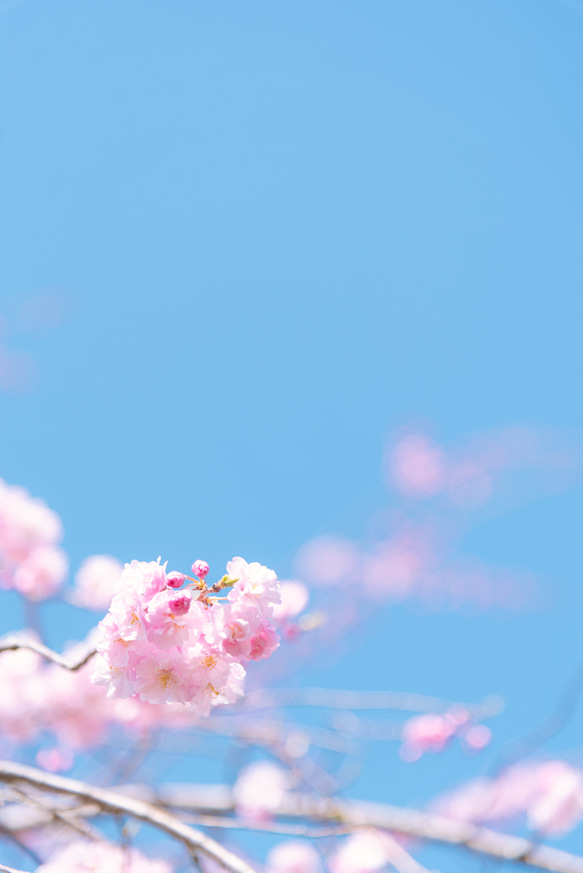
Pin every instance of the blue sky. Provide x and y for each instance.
(279, 230)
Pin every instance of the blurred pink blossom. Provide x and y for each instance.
(30, 558)
(293, 856)
(101, 857)
(95, 581)
(328, 560)
(294, 599)
(417, 466)
(548, 794)
(260, 789)
(362, 852)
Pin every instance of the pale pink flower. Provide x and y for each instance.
(264, 643)
(256, 585)
(95, 582)
(418, 466)
(164, 680)
(426, 733)
(328, 561)
(30, 558)
(293, 856)
(294, 599)
(261, 789)
(55, 760)
(42, 573)
(165, 620)
(362, 852)
(548, 794)
(557, 805)
(101, 857)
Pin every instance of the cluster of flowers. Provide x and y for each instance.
(432, 732)
(548, 794)
(187, 646)
(30, 558)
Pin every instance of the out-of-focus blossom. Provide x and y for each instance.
(293, 856)
(432, 732)
(363, 852)
(82, 856)
(95, 582)
(548, 794)
(417, 466)
(328, 561)
(30, 558)
(260, 789)
(294, 599)
(55, 760)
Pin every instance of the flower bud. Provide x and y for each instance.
(180, 604)
(200, 569)
(175, 579)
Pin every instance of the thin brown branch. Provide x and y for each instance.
(13, 642)
(5, 869)
(110, 801)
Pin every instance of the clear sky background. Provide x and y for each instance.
(274, 231)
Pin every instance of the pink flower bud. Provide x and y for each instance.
(200, 569)
(175, 579)
(180, 604)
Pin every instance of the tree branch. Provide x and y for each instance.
(110, 801)
(13, 642)
(342, 699)
(212, 803)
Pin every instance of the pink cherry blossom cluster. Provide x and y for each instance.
(187, 646)
(432, 732)
(30, 558)
(82, 856)
(548, 794)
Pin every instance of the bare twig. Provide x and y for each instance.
(341, 699)
(110, 801)
(13, 642)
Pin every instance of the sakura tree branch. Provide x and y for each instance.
(13, 642)
(352, 815)
(213, 806)
(5, 869)
(112, 802)
(341, 699)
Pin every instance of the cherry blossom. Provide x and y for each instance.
(293, 856)
(363, 852)
(548, 794)
(95, 582)
(185, 647)
(260, 789)
(30, 558)
(81, 856)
